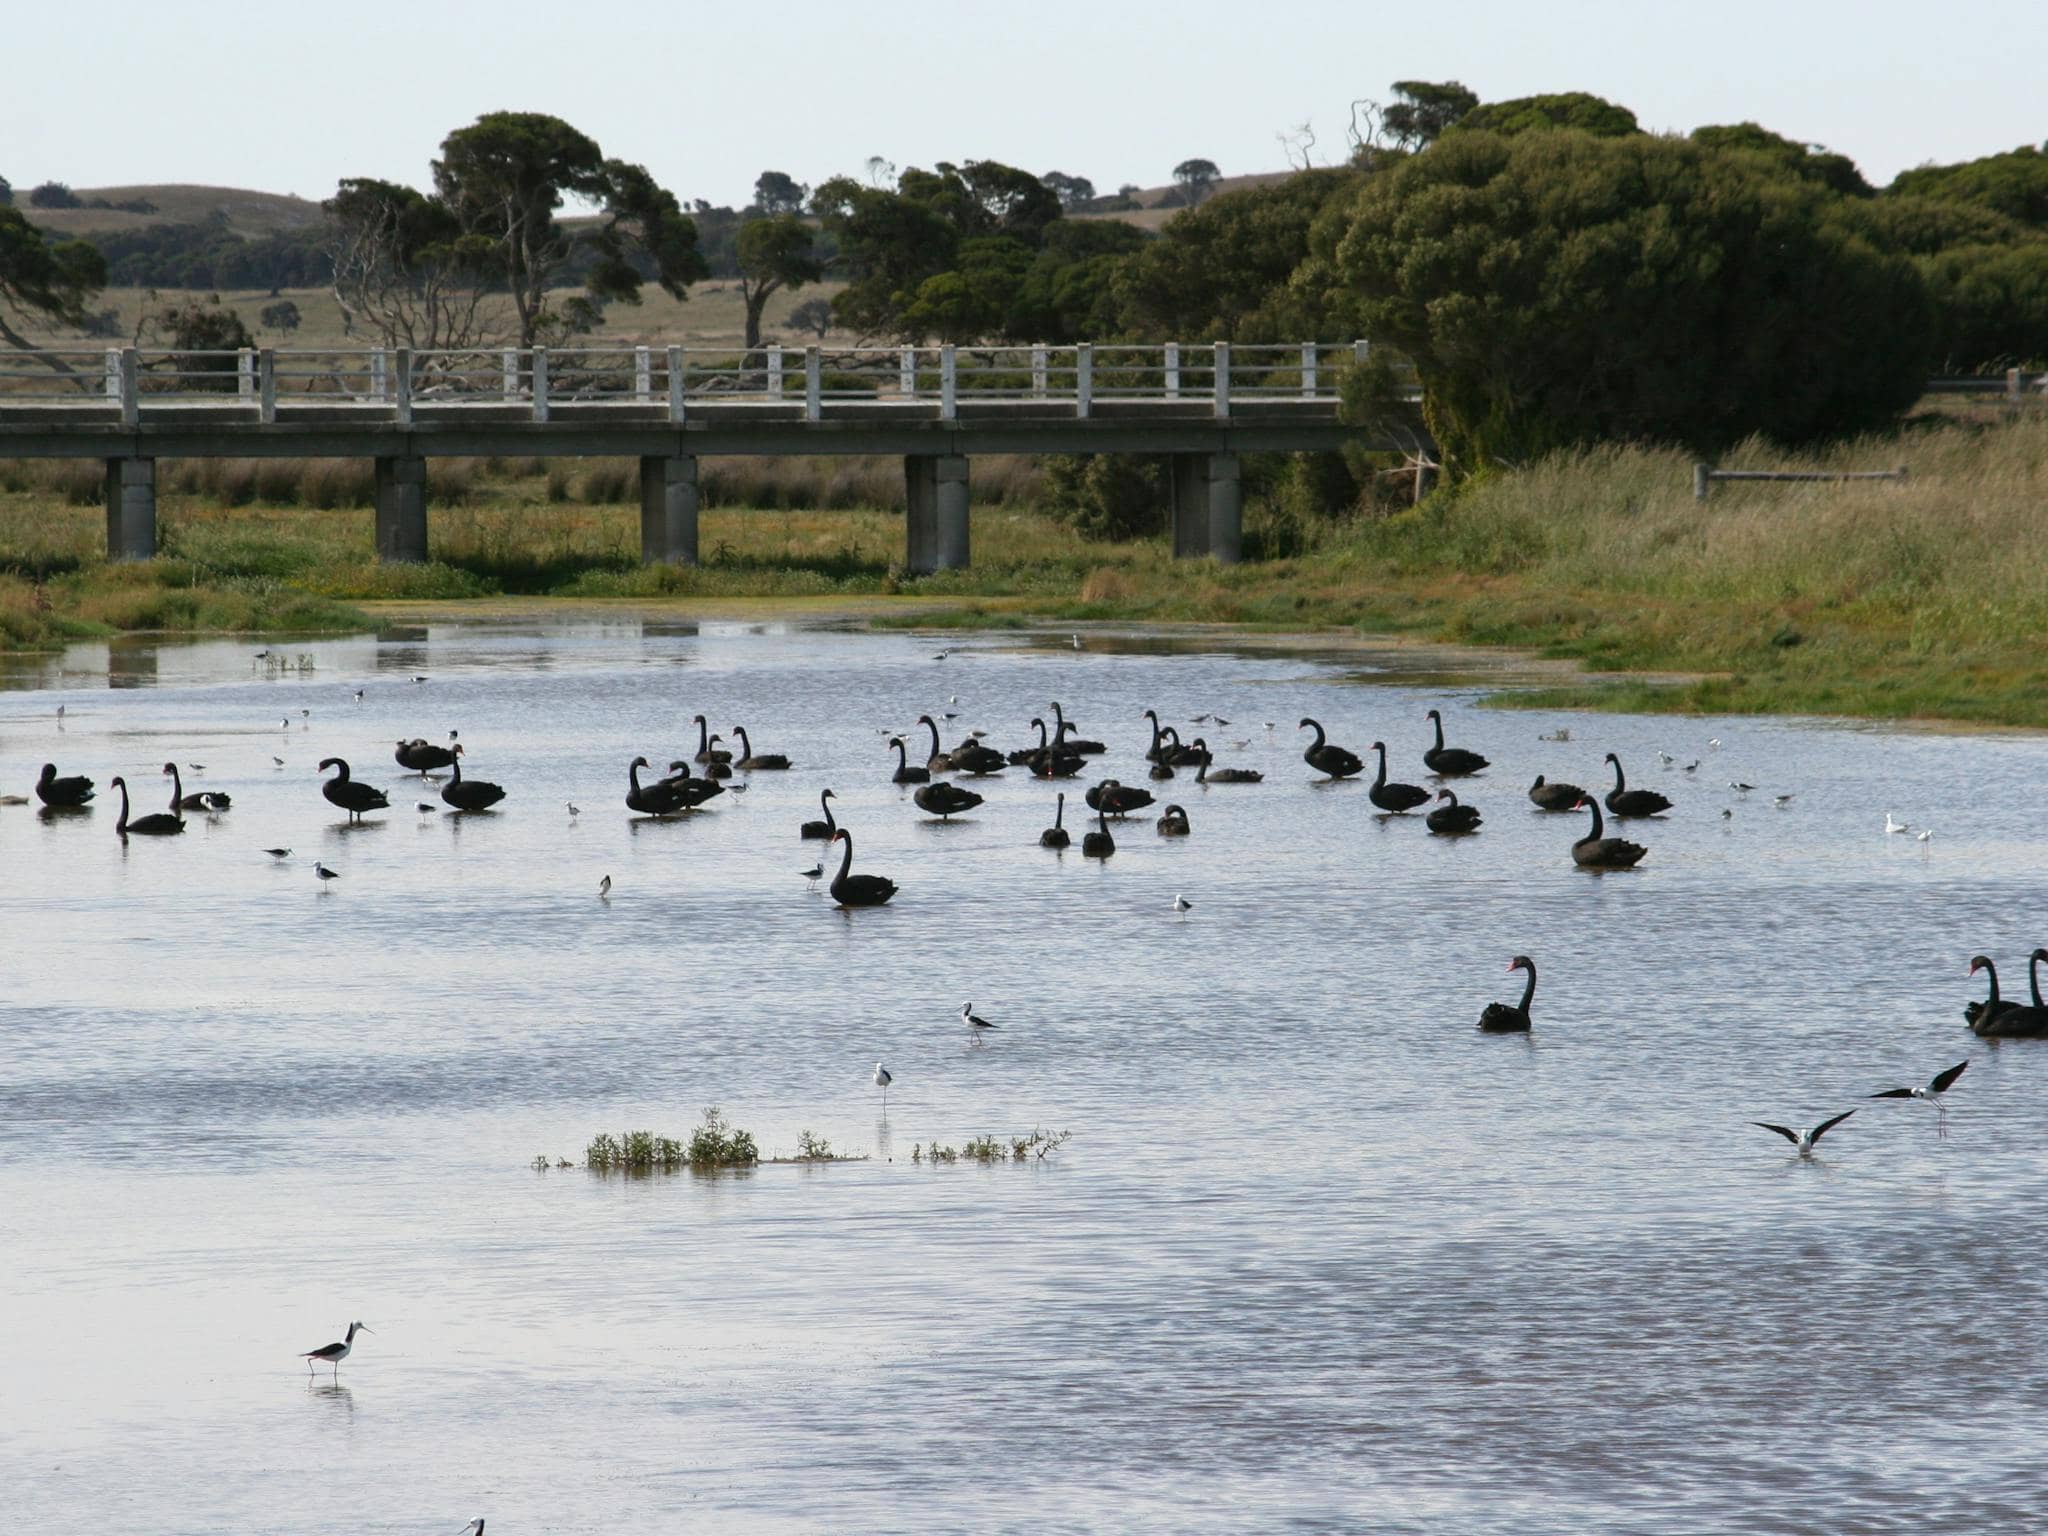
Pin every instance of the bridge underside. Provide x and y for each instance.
(937, 453)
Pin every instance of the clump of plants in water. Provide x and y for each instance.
(714, 1144)
(994, 1149)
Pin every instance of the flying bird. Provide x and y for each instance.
(1933, 1093)
(1804, 1140)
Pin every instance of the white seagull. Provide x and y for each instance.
(334, 1354)
(1804, 1140)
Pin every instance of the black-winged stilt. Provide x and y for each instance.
(321, 871)
(334, 1354)
(1933, 1094)
(1804, 1140)
(883, 1078)
(972, 1019)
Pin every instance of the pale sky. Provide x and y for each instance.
(289, 97)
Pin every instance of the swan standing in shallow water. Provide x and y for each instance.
(352, 795)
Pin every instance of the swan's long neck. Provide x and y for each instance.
(746, 747)
(846, 858)
(825, 804)
(703, 734)
(933, 726)
(1043, 739)
(1437, 720)
(1991, 1003)
(177, 787)
(2033, 973)
(121, 826)
(1317, 744)
(902, 756)
(1529, 986)
(1598, 825)
(1381, 749)
(633, 775)
(1619, 782)
(1059, 812)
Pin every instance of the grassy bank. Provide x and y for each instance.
(1926, 599)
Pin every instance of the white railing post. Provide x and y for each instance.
(511, 362)
(1038, 373)
(1084, 379)
(1308, 370)
(775, 373)
(266, 386)
(114, 373)
(245, 373)
(1360, 350)
(643, 375)
(949, 383)
(540, 383)
(1222, 378)
(814, 384)
(1172, 364)
(403, 399)
(131, 387)
(675, 385)
(378, 376)
(906, 373)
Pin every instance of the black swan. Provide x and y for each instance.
(1555, 797)
(973, 758)
(720, 764)
(1055, 836)
(747, 759)
(1335, 761)
(1051, 760)
(1395, 799)
(1449, 762)
(1625, 802)
(1062, 725)
(198, 800)
(470, 794)
(1596, 852)
(350, 794)
(1512, 1018)
(1157, 751)
(1099, 844)
(421, 755)
(858, 890)
(706, 753)
(946, 801)
(663, 797)
(1453, 820)
(939, 761)
(1160, 771)
(1117, 798)
(156, 824)
(62, 793)
(822, 829)
(1996, 1019)
(1173, 822)
(1023, 756)
(1174, 755)
(1209, 775)
(693, 792)
(905, 774)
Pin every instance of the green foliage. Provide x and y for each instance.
(1532, 114)
(1837, 173)
(1074, 192)
(2014, 184)
(281, 316)
(1920, 226)
(1195, 179)
(41, 280)
(53, 194)
(1556, 288)
(202, 338)
(1109, 496)
(994, 1149)
(1423, 109)
(6, 193)
(774, 253)
(1991, 306)
(1070, 291)
(778, 193)
(1220, 272)
(813, 315)
(505, 177)
(716, 1144)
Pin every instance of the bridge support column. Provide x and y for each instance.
(131, 509)
(402, 510)
(936, 531)
(668, 509)
(1208, 507)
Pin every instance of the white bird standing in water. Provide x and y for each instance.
(1182, 904)
(972, 1019)
(321, 870)
(334, 1354)
(883, 1078)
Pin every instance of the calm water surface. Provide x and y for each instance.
(1318, 1256)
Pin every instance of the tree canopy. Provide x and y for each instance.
(1558, 287)
(1422, 109)
(42, 280)
(2014, 184)
(774, 253)
(1533, 114)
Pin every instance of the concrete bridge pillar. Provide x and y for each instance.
(1208, 507)
(402, 510)
(936, 532)
(668, 509)
(131, 509)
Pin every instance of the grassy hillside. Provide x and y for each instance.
(249, 214)
(713, 316)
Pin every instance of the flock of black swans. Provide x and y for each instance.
(1060, 753)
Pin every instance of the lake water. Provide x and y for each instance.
(1318, 1255)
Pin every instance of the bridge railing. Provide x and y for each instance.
(538, 381)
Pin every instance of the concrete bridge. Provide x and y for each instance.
(937, 407)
